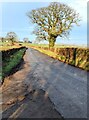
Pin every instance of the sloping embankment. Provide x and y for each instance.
(10, 60)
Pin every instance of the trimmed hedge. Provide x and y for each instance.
(74, 56)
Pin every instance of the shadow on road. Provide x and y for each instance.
(35, 105)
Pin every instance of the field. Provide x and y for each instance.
(56, 45)
(6, 46)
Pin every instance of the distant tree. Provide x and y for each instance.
(12, 37)
(2, 39)
(55, 20)
(26, 40)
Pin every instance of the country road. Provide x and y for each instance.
(65, 85)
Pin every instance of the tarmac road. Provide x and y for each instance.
(65, 85)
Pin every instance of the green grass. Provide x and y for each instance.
(56, 45)
(10, 63)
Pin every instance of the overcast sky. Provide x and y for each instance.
(14, 19)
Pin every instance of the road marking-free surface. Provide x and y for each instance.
(64, 84)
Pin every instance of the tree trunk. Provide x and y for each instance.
(52, 41)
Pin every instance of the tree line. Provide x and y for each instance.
(12, 38)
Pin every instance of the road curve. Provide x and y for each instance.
(64, 84)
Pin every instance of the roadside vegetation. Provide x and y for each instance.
(74, 56)
(10, 59)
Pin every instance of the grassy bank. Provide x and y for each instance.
(8, 63)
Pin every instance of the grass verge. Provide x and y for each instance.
(9, 63)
